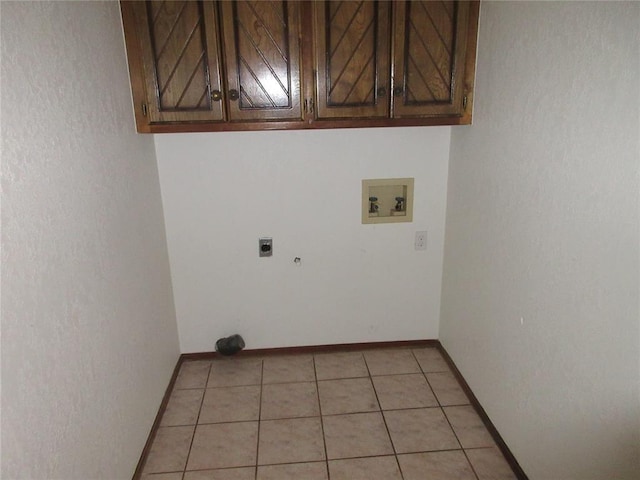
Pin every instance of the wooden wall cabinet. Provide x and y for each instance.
(397, 60)
(352, 44)
(262, 59)
(430, 45)
(208, 64)
(278, 64)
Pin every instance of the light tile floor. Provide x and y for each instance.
(388, 414)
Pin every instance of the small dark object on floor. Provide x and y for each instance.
(230, 345)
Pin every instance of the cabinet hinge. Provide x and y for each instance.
(144, 109)
(464, 102)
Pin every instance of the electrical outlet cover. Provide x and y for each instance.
(421, 240)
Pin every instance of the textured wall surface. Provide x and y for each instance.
(89, 338)
(357, 283)
(540, 289)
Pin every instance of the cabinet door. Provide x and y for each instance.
(262, 59)
(430, 41)
(352, 58)
(179, 49)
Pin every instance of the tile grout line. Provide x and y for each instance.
(193, 436)
(463, 449)
(446, 417)
(424, 374)
(218, 422)
(384, 419)
(424, 371)
(358, 412)
(324, 440)
(357, 457)
(259, 416)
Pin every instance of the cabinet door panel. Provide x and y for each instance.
(179, 50)
(352, 58)
(262, 55)
(429, 55)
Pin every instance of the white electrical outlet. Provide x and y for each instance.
(420, 241)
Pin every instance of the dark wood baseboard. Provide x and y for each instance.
(513, 463)
(310, 349)
(137, 475)
(346, 347)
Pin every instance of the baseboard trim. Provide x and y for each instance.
(137, 475)
(511, 459)
(345, 347)
(339, 347)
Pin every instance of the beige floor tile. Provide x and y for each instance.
(420, 430)
(330, 366)
(431, 360)
(169, 450)
(468, 427)
(222, 445)
(447, 389)
(245, 473)
(289, 400)
(193, 374)
(288, 369)
(356, 435)
(183, 408)
(351, 395)
(163, 476)
(290, 441)
(404, 391)
(229, 396)
(391, 362)
(448, 465)
(234, 372)
(489, 464)
(294, 471)
(230, 404)
(372, 468)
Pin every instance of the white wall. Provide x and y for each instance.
(543, 225)
(89, 338)
(357, 283)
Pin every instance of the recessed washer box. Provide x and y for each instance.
(387, 200)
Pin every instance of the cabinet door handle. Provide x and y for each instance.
(382, 91)
(398, 91)
(216, 95)
(234, 95)
(308, 105)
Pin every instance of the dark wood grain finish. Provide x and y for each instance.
(430, 31)
(178, 44)
(470, 61)
(317, 349)
(352, 58)
(296, 65)
(179, 54)
(136, 67)
(318, 124)
(262, 58)
(430, 41)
